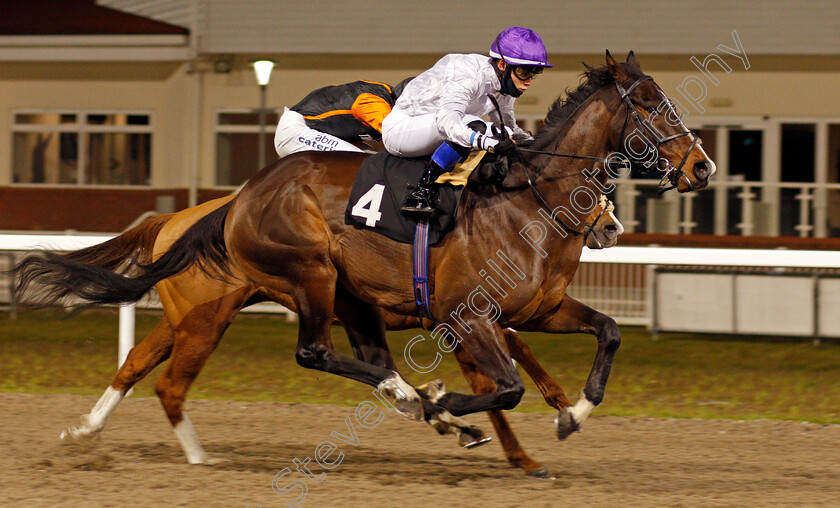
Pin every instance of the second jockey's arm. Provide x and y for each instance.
(370, 110)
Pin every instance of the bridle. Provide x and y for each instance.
(590, 227)
(672, 174)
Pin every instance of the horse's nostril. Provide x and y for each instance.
(611, 228)
(702, 170)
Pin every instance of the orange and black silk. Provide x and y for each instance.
(351, 111)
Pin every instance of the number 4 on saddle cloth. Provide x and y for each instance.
(383, 183)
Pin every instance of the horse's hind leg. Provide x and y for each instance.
(480, 383)
(315, 300)
(196, 337)
(365, 328)
(142, 358)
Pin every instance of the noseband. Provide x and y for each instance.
(672, 174)
(590, 227)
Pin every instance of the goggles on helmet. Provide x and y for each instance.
(526, 72)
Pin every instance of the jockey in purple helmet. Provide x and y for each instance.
(439, 112)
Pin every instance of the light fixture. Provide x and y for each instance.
(262, 68)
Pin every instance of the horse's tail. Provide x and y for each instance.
(135, 246)
(90, 273)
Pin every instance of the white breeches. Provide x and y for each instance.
(294, 136)
(414, 136)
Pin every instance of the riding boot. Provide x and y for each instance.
(421, 202)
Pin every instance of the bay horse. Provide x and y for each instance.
(194, 310)
(285, 236)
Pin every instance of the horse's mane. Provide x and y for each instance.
(564, 107)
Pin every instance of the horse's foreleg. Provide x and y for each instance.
(572, 316)
(188, 357)
(142, 358)
(513, 450)
(551, 391)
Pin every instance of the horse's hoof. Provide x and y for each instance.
(473, 437)
(75, 433)
(541, 473)
(406, 400)
(565, 424)
(471, 442)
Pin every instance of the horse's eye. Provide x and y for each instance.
(651, 109)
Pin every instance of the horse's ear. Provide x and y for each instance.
(617, 71)
(631, 60)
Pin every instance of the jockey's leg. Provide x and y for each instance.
(418, 136)
(293, 135)
(421, 202)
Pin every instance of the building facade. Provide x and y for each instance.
(117, 107)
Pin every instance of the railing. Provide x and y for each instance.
(730, 207)
(14, 246)
(615, 281)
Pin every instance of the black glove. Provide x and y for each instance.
(523, 139)
(505, 147)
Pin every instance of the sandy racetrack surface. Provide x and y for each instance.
(136, 461)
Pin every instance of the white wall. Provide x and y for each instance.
(569, 27)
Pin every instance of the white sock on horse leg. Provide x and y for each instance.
(188, 437)
(98, 416)
(106, 404)
(581, 410)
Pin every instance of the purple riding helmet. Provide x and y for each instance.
(520, 46)
(524, 52)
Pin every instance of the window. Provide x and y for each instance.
(529, 123)
(745, 149)
(90, 148)
(237, 144)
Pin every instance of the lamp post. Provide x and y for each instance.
(262, 68)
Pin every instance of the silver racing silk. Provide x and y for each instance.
(455, 86)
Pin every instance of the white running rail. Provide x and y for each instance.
(670, 256)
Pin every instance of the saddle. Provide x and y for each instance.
(383, 183)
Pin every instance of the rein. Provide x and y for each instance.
(669, 180)
(537, 195)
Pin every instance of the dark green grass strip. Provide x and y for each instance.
(677, 375)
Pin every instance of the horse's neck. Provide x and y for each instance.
(578, 137)
(586, 134)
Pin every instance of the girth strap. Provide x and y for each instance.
(421, 269)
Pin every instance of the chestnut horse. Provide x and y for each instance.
(191, 303)
(284, 237)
